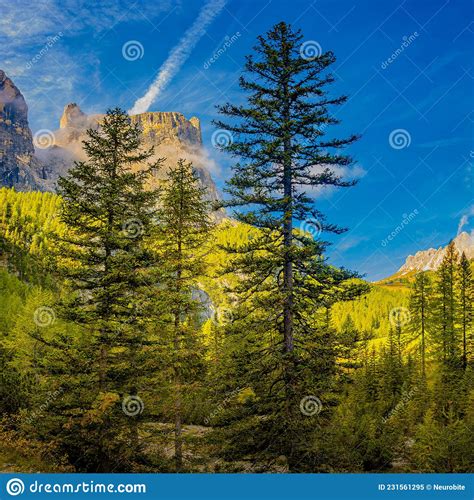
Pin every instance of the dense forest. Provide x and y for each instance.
(139, 333)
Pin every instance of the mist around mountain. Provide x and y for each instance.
(35, 163)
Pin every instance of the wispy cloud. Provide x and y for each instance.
(52, 74)
(351, 172)
(179, 54)
(23, 24)
(464, 220)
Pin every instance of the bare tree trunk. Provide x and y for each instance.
(178, 444)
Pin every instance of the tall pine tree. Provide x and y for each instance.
(184, 229)
(466, 304)
(284, 153)
(107, 266)
(446, 307)
(420, 311)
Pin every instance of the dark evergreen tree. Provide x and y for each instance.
(108, 269)
(184, 230)
(280, 138)
(466, 305)
(445, 305)
(420, 311)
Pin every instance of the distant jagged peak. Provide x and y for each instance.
(25, 167)
(13, 107)
(72, 116)
(430, 260)
(154, 124)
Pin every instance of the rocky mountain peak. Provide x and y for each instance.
(171, 134)
(168, 127)
(18, 166)
(72, 116)
(429, 260)
(13, 108)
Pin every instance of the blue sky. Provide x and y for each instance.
(72, 51)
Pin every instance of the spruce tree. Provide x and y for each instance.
(184, 227)
(466, 304)
(446, 303)
(420, 311)
(108, 269)
(284, 152)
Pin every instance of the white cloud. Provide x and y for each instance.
(60, 75)
(23, 23)
(178, 55)
(464, 220)
(346, 173)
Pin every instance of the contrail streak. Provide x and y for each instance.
(178, 55)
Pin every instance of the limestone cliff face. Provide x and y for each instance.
(428, 260)
(170, 133)
(158, 128)
(18, 166)
(28, 168)
(169, 128)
